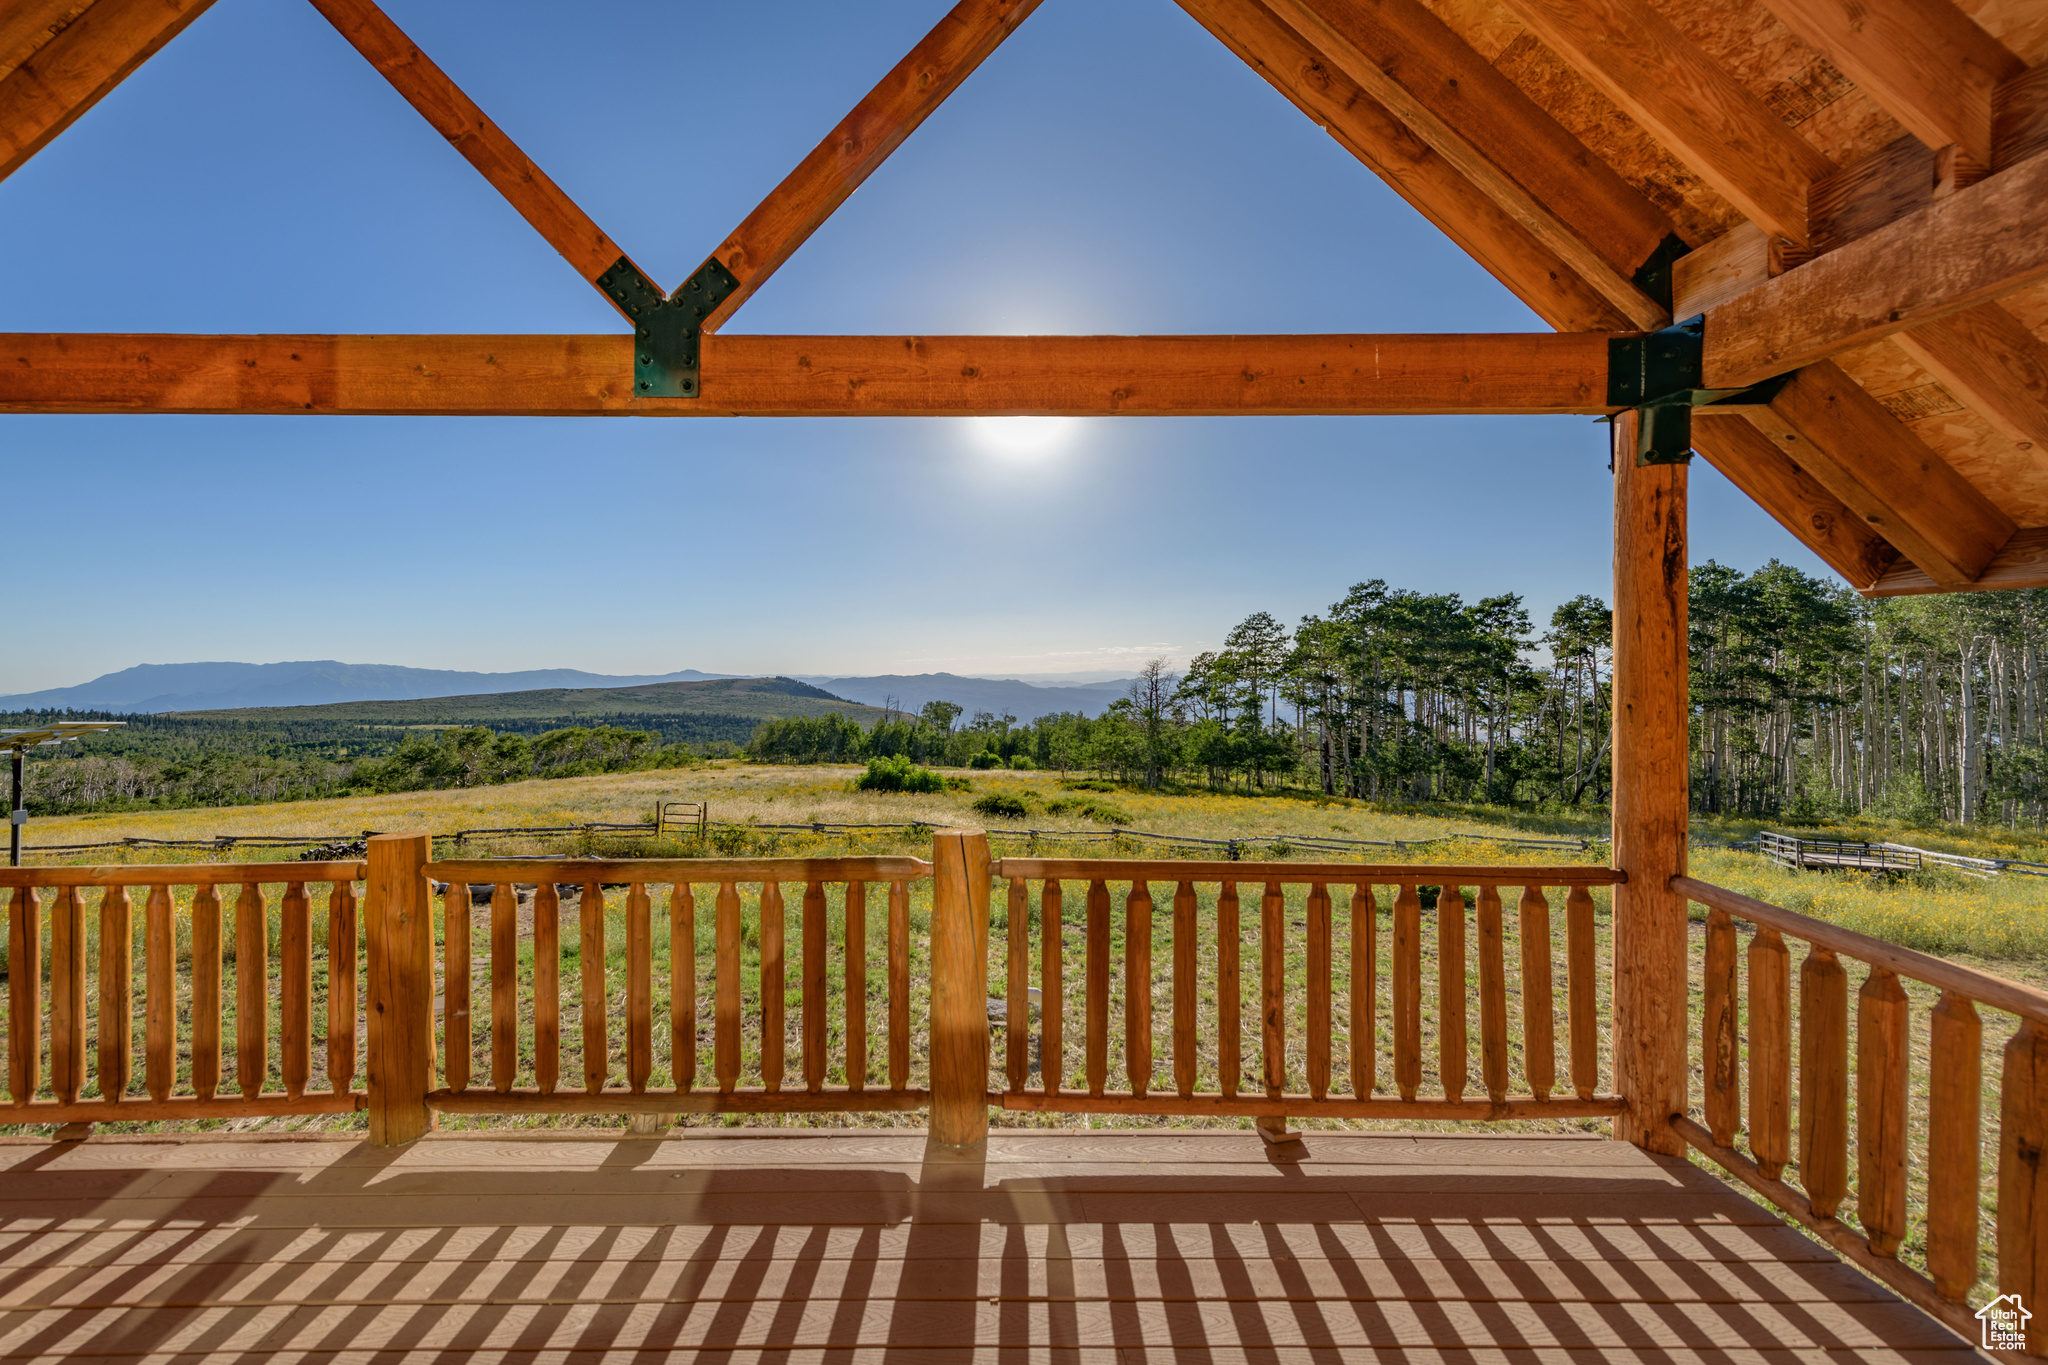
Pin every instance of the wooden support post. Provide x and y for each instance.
(959, 1021)
(401, 933)
(1650, 799)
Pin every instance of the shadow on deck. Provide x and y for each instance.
(846, 1246)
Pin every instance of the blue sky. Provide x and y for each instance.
(1110, 169)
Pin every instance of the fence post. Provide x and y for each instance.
(400, 923)
(959, 1043)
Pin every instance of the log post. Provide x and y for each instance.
(960, 872)
(1650, 796)
(401, 942)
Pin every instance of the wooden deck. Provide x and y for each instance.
(851, 1247)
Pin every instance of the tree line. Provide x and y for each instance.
(1807, 703)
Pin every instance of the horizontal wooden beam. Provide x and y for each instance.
(1796, 500)
(1904, 490)
(2022, 562)
(1413, 169)
(852, 152)
(816, 376)
(62, 78)
(1972, 247)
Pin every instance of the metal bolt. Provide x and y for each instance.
(643, 360)
(687, 386)
(645, 385)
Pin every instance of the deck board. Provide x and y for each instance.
(1076, 1247)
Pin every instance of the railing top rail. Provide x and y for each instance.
(1983, 987)
(1194, 870)
(672, 870)
(184, 874)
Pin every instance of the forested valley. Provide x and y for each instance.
(1808, 703)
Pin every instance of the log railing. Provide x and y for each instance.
(73, 1003)
(1801, 1074)
(706, 1032)
(1082, 931)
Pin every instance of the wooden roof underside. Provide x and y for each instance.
(1852, 190)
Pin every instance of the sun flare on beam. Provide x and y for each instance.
(1022, 437)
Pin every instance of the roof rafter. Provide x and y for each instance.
(1929, 65)
(1796, 500)
(1516, 372)
(62, 78)
(1987, 358)
(1411, 167)
(1684, 99)
(1497, 137)
(864, 139)
(456, 117)
(1824, 422)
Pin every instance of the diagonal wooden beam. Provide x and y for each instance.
(1700, 113)
(1989, 360)
(1826, 424)
(541, 202)
(2021, 562)
(1480, 122)
(1928, 64)
(809, 376)
(58, 80)
(863, 140)
(1970, 248)
(1411, 168)
(1795, 499)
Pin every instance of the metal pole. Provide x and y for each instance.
(17, 813)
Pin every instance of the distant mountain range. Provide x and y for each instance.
(743, 701)
(158, 688)
(1000, 696)
(152, 688)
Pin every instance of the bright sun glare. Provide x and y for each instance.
(1022, 436)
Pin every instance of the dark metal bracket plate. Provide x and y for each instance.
(1659, 375)
(668, 332)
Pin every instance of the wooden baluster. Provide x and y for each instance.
(1823, 1081)
(455, 983)
(1493, 995)
(1016, 988)
(160, 995)
(1098, 987)
(725, 1001)
(341, 987)
(206, 991)
(1273, 991)
(1452, 1039)
(1539, 1004)
(252, 990)
(547, 987)
(855, 975)
(1719, 1045)
(1320, 987)
(1184, 969)
(1364, 992)
(1881, 1057)
(1955, 1077)
(774, 986)
(1138, 987)
(597, 1043)
(1582, 1009)
(814, 987)
(116, 1022)
(2023, 1176)
(682, 985)
(1052, 999)
(899, 985)
(504, 987)
(67, 995)
(24, 995)
(295, 989)
(1770, 1052)
(1407, 989)
(1229, 991)
(639, 987)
